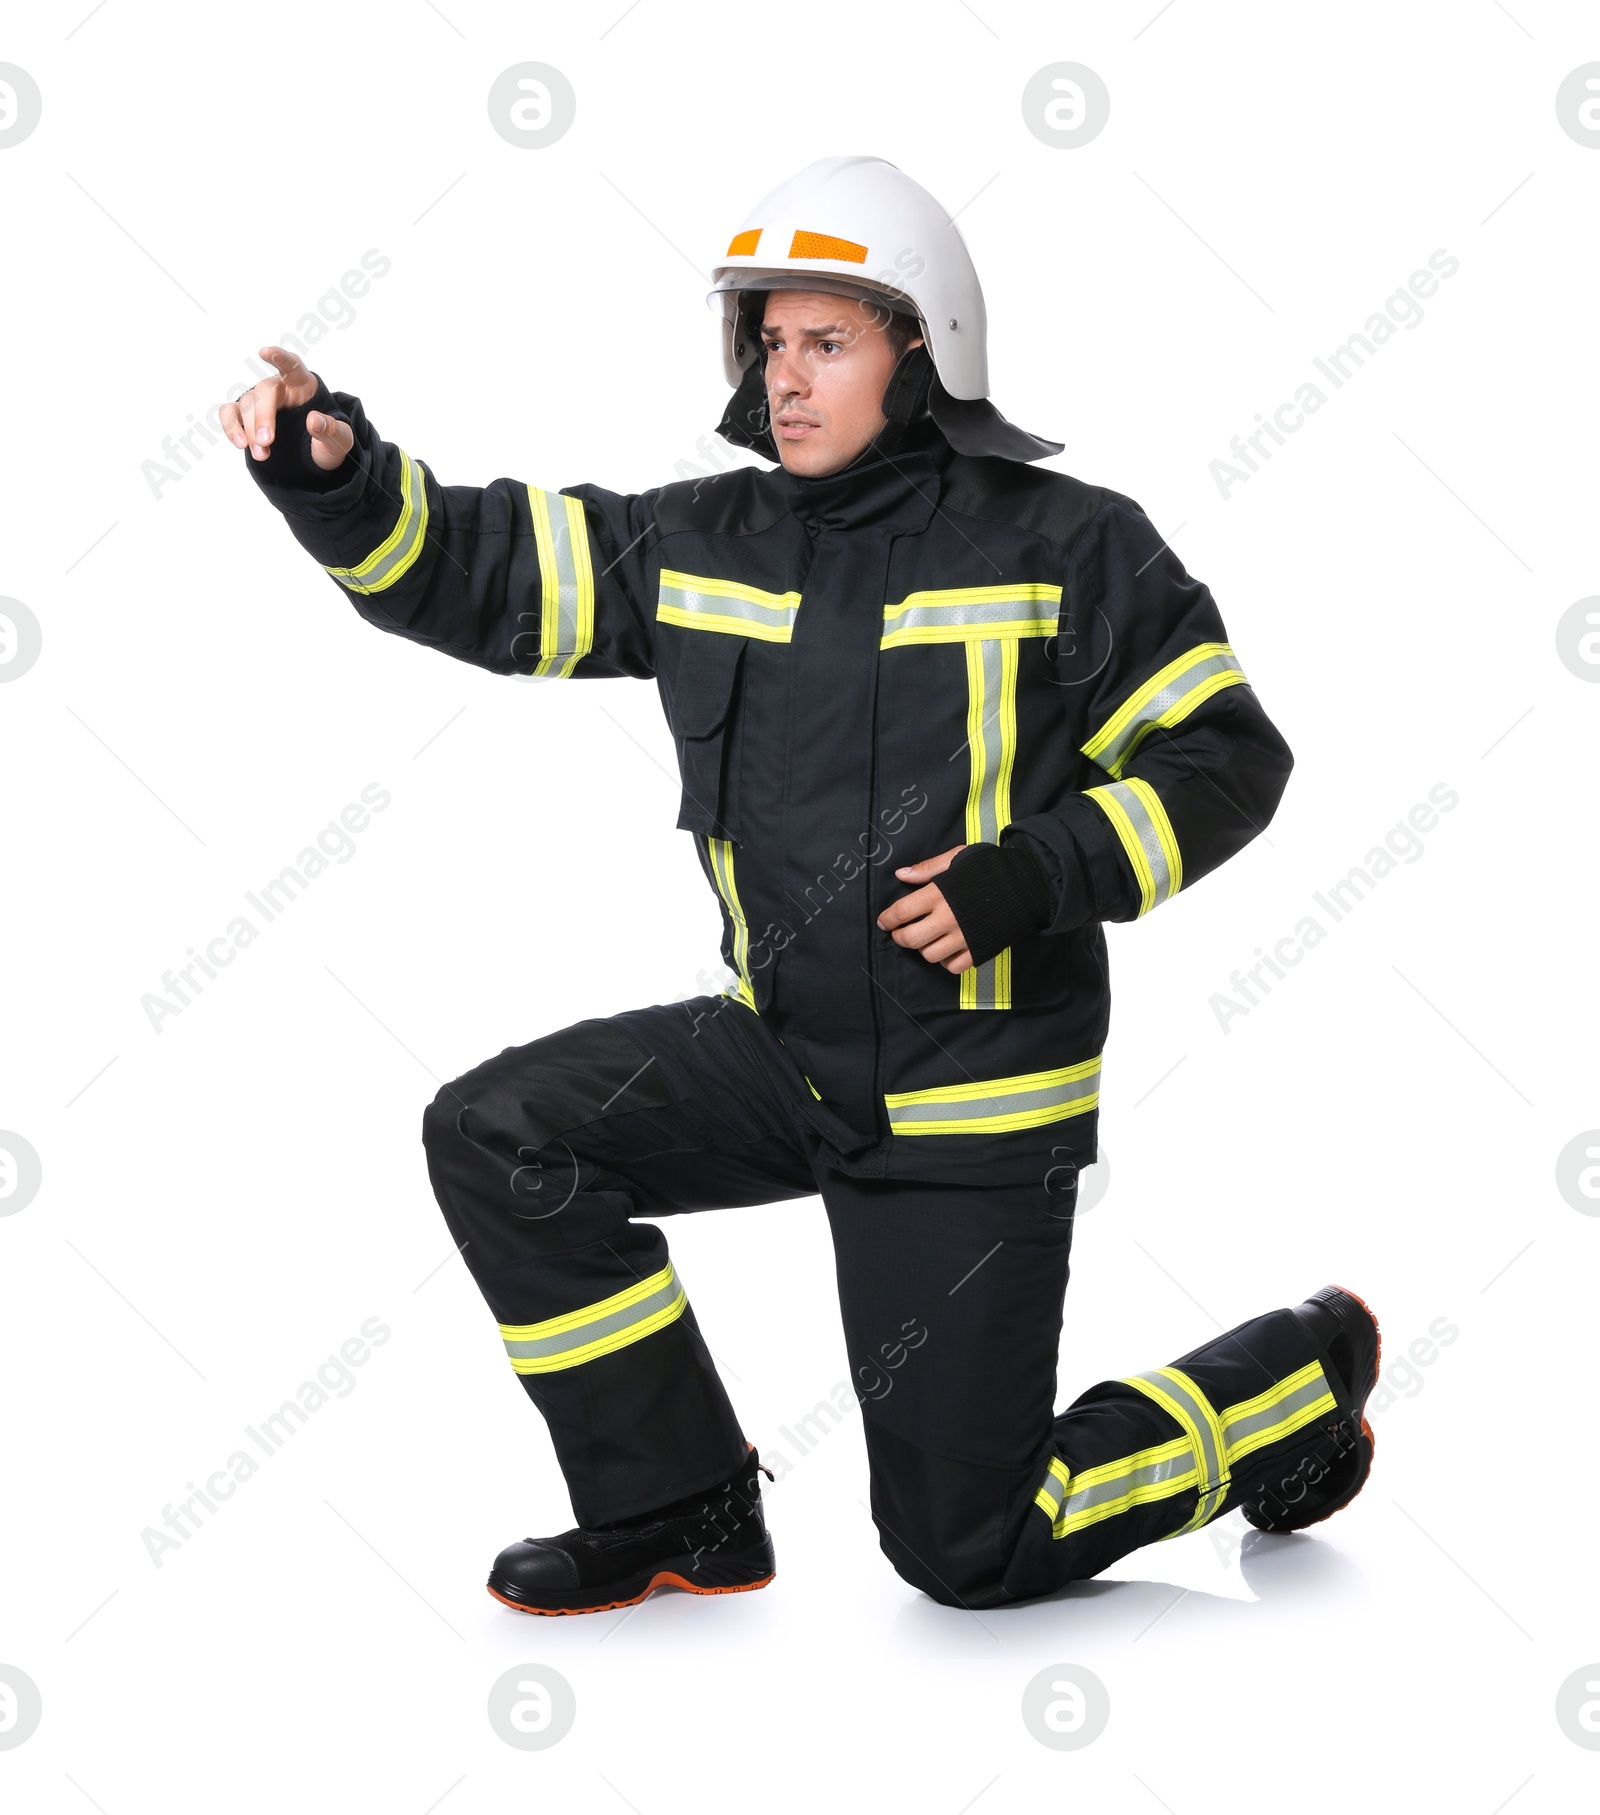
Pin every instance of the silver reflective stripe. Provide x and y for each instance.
(1279, 1412)
(566, 581)
(998, 1105)
(1166, 698)
(990, 703)
(1192, 1460)
(988, 985)
(1141, 823)
(1176, 1393)
(1054, 1490)
(1114, 1487)
(1124, 1487)
(720, 853)
(992, 747)
(957, 614)
(597, 1329)
(696, 602)
(397, 553)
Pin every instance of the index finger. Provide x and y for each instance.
(929, 866)
(290, 365)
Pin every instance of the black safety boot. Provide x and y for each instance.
(1332, 1458)
(712, 1542)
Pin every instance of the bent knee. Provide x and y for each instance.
(530, 1096)
(493, 1107)
(440, 1120)
(943, 1524)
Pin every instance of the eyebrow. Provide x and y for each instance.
(833, 328)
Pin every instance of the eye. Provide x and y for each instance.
(834, 345)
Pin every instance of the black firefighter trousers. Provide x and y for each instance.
(544, 1159)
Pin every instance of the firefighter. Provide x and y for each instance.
(939, 714)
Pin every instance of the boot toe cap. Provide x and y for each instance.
(534, 1565)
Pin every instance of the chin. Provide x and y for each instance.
(811, 459)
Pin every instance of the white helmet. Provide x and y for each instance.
(860, 227)
(866, 225)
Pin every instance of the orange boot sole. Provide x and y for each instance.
(663, 1578)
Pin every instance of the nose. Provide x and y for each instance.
(787, 376)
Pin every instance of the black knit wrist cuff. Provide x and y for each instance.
(998, 894)
(290, 465)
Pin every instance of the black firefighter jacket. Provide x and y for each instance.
(860, 671)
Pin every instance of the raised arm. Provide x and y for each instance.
(506, 576)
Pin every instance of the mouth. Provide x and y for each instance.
(796, 428)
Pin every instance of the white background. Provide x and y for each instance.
(234, 1196)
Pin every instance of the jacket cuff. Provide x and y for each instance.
(289, 466)
(1080, 856)
(999, 894)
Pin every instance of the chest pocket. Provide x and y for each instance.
(702, 711)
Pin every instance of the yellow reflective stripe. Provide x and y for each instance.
(398, 552)
(735, 627)
(1009, 655)
(988, 985)
(729, 589)
(976, 1089)
(951, 597)
(1010, 629)
(1140, 822)
(962, 614)
(566, 581)
(549, 582)
(992, 740)
(699, 602)
(1280, 1411)
(597, 1329)
(1164, 833)
(582, 558)
(996, 1105)
(1074, 1501)
(1194, 1411)
(1054, 1490)
(1168, 697)
(604, 1345)
(720, 851)
(976, 743)
(575, 1320)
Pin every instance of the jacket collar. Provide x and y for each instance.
(888, 490)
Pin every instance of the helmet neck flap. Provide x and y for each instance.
(917, 410)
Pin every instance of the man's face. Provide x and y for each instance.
(827, 362)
